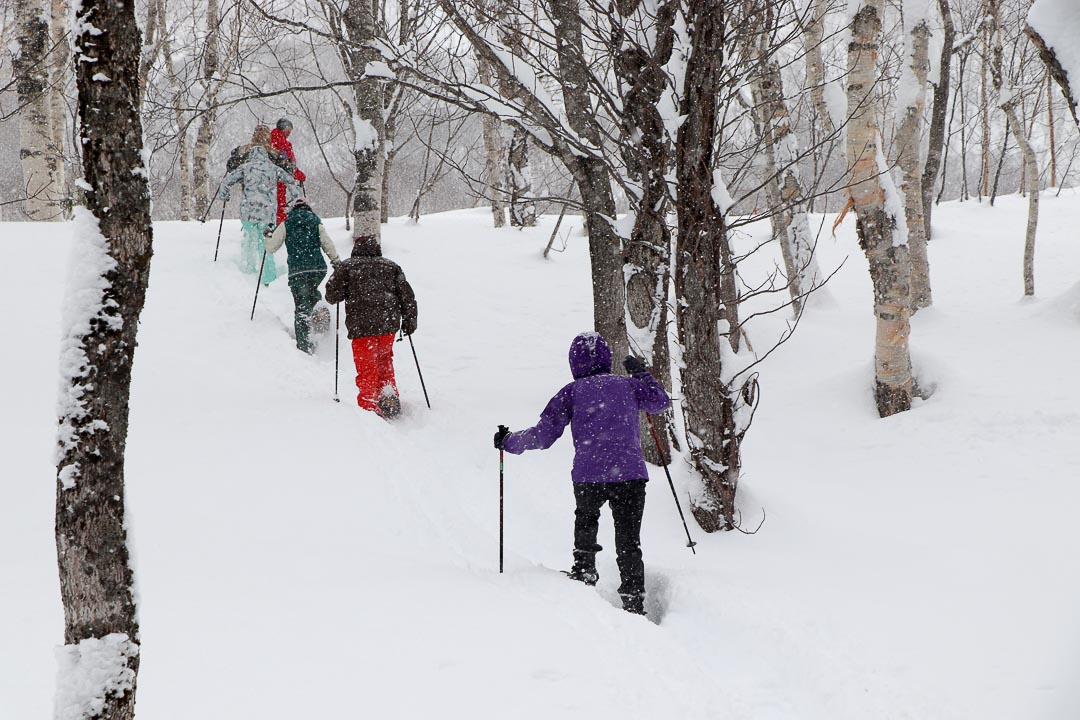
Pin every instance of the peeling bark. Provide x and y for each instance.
(890, 268)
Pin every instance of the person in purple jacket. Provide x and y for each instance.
(602, 411)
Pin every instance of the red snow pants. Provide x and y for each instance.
(281, 214)
(374, 358)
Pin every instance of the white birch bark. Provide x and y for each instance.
(876, 206)
(42, 179)
(814, 38)
(911, 104)
(368, 118)
(204, 136)
(791, 224)
(519, 178)
(494, 151)
(60, 74)
(1008, 99)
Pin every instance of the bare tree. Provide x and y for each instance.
(1061, 77)
(703, 300)
(212, 87)
(42, 161)
(787, 195)
(494, 151)
(875, 201)
(1008, 99)
(910, 110)
(101, 631)
(937, 116)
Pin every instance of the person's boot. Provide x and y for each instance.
(584, 568)
(388, 407)
(633, 603)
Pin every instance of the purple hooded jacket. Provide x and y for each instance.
(602, 411)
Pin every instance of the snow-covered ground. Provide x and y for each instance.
(299, 559)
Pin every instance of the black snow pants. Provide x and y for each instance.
(627, 501)
(305, 292)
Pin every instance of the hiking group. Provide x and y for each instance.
(378, 299)
(601, 408)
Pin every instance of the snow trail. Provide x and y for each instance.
(297, 557)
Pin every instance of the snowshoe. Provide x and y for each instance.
(320, 320)
(589, 577)
(388, 407)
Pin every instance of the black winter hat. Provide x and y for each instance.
(284, 124)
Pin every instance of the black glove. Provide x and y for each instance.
(634, 365)
(408, 326)
(500, 436)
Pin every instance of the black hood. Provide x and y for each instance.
(366, 246)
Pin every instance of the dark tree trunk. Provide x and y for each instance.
(937, 117)
(642, 82)
(594, 183)
(95, 574)
(699, 283)
(1056, 70)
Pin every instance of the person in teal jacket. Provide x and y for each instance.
(305, 239)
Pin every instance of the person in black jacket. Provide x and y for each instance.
(378, 302)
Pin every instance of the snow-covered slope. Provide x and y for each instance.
(297, 558)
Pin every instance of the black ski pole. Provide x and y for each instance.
(656, 438)
(337, 350)
(258, 283)
(220, 225)
(422, 386)
(212, 200)
(501, 507)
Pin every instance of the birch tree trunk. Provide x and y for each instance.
(113, 248)
(204, 136)
(708, 405)
(494, 150)
(182, 150)
(814, 38)
(518, 171)
(60, 74)
(937, 116)
(908, 142)
(359, 23)
(594, 183)
(1008, 98)
(879, 236)
(790, 223)
(41, 163)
